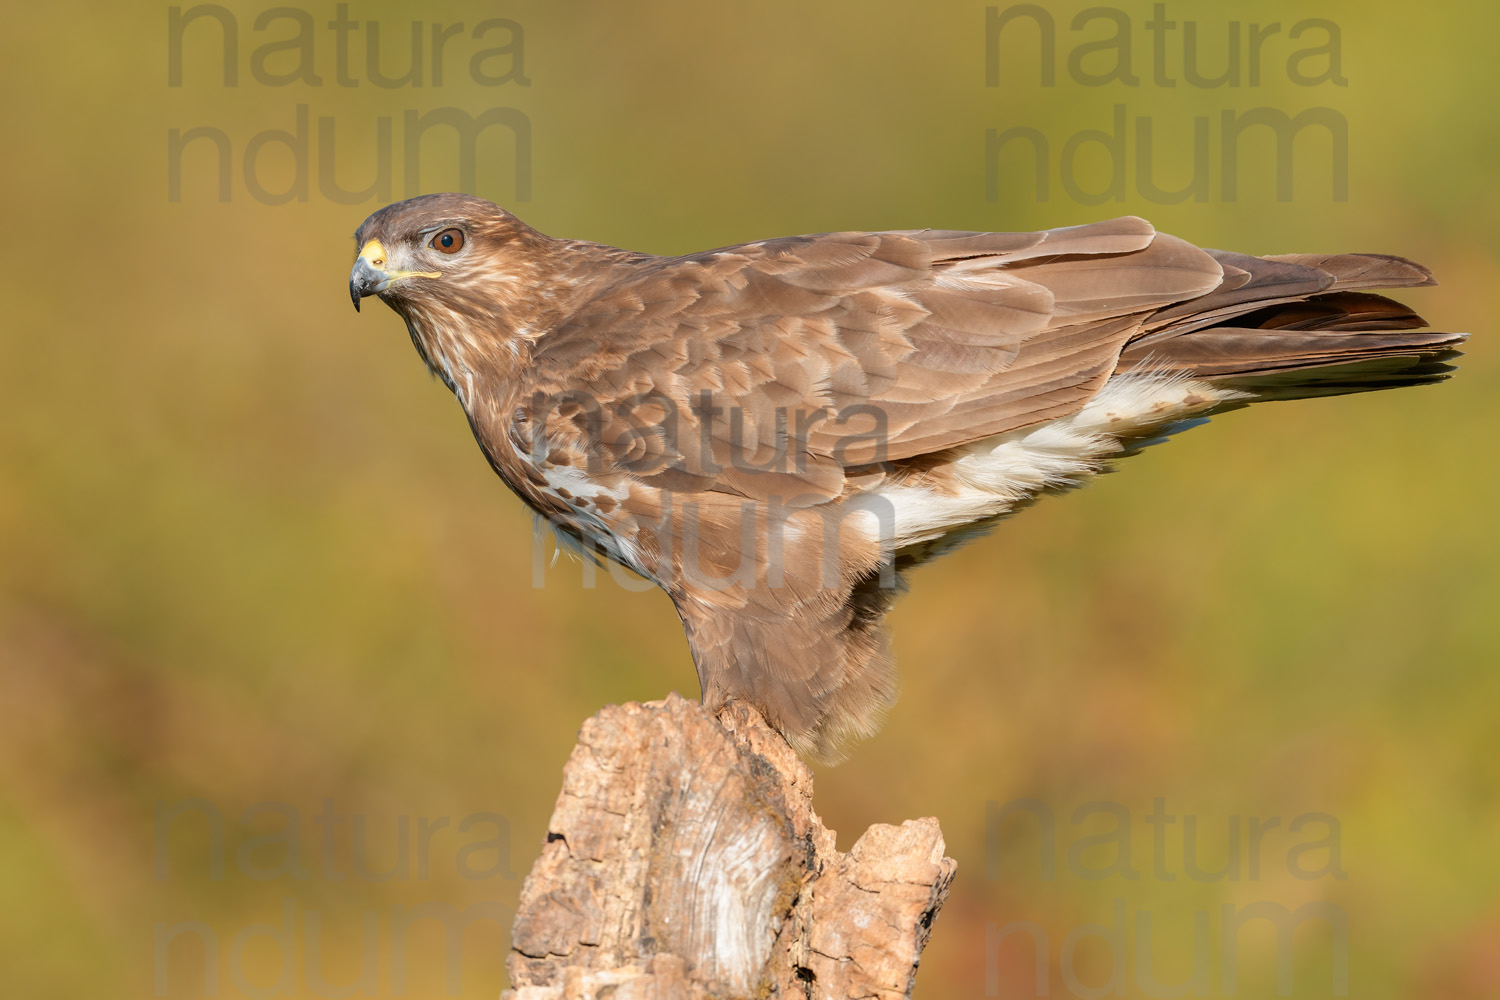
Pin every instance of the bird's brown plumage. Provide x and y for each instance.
(739, 425)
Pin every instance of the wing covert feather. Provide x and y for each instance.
(950, 336)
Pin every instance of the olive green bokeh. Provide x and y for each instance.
(249, 553)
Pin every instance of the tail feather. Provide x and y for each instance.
(1350, 311)
(1297, 325)
(1389, 372)
(1231, 351)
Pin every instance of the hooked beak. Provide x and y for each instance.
(362, 280)
(370, 276)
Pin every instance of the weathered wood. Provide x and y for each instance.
(683, 860)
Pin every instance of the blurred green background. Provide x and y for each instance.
(250, 556)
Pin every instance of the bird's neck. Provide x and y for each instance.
(486, 341)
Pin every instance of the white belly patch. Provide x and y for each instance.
(991, 476)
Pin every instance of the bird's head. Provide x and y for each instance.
(469, 278)
(449, 252)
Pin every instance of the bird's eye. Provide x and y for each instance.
(448, 241)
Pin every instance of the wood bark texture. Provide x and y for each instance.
(684, 860)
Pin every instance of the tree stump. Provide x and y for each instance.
(683, 860)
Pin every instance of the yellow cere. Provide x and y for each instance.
(375, 254)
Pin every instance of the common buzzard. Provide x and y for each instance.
(773, 432)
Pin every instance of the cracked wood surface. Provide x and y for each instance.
(684, 860)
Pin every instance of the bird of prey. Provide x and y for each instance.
(774, 432)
